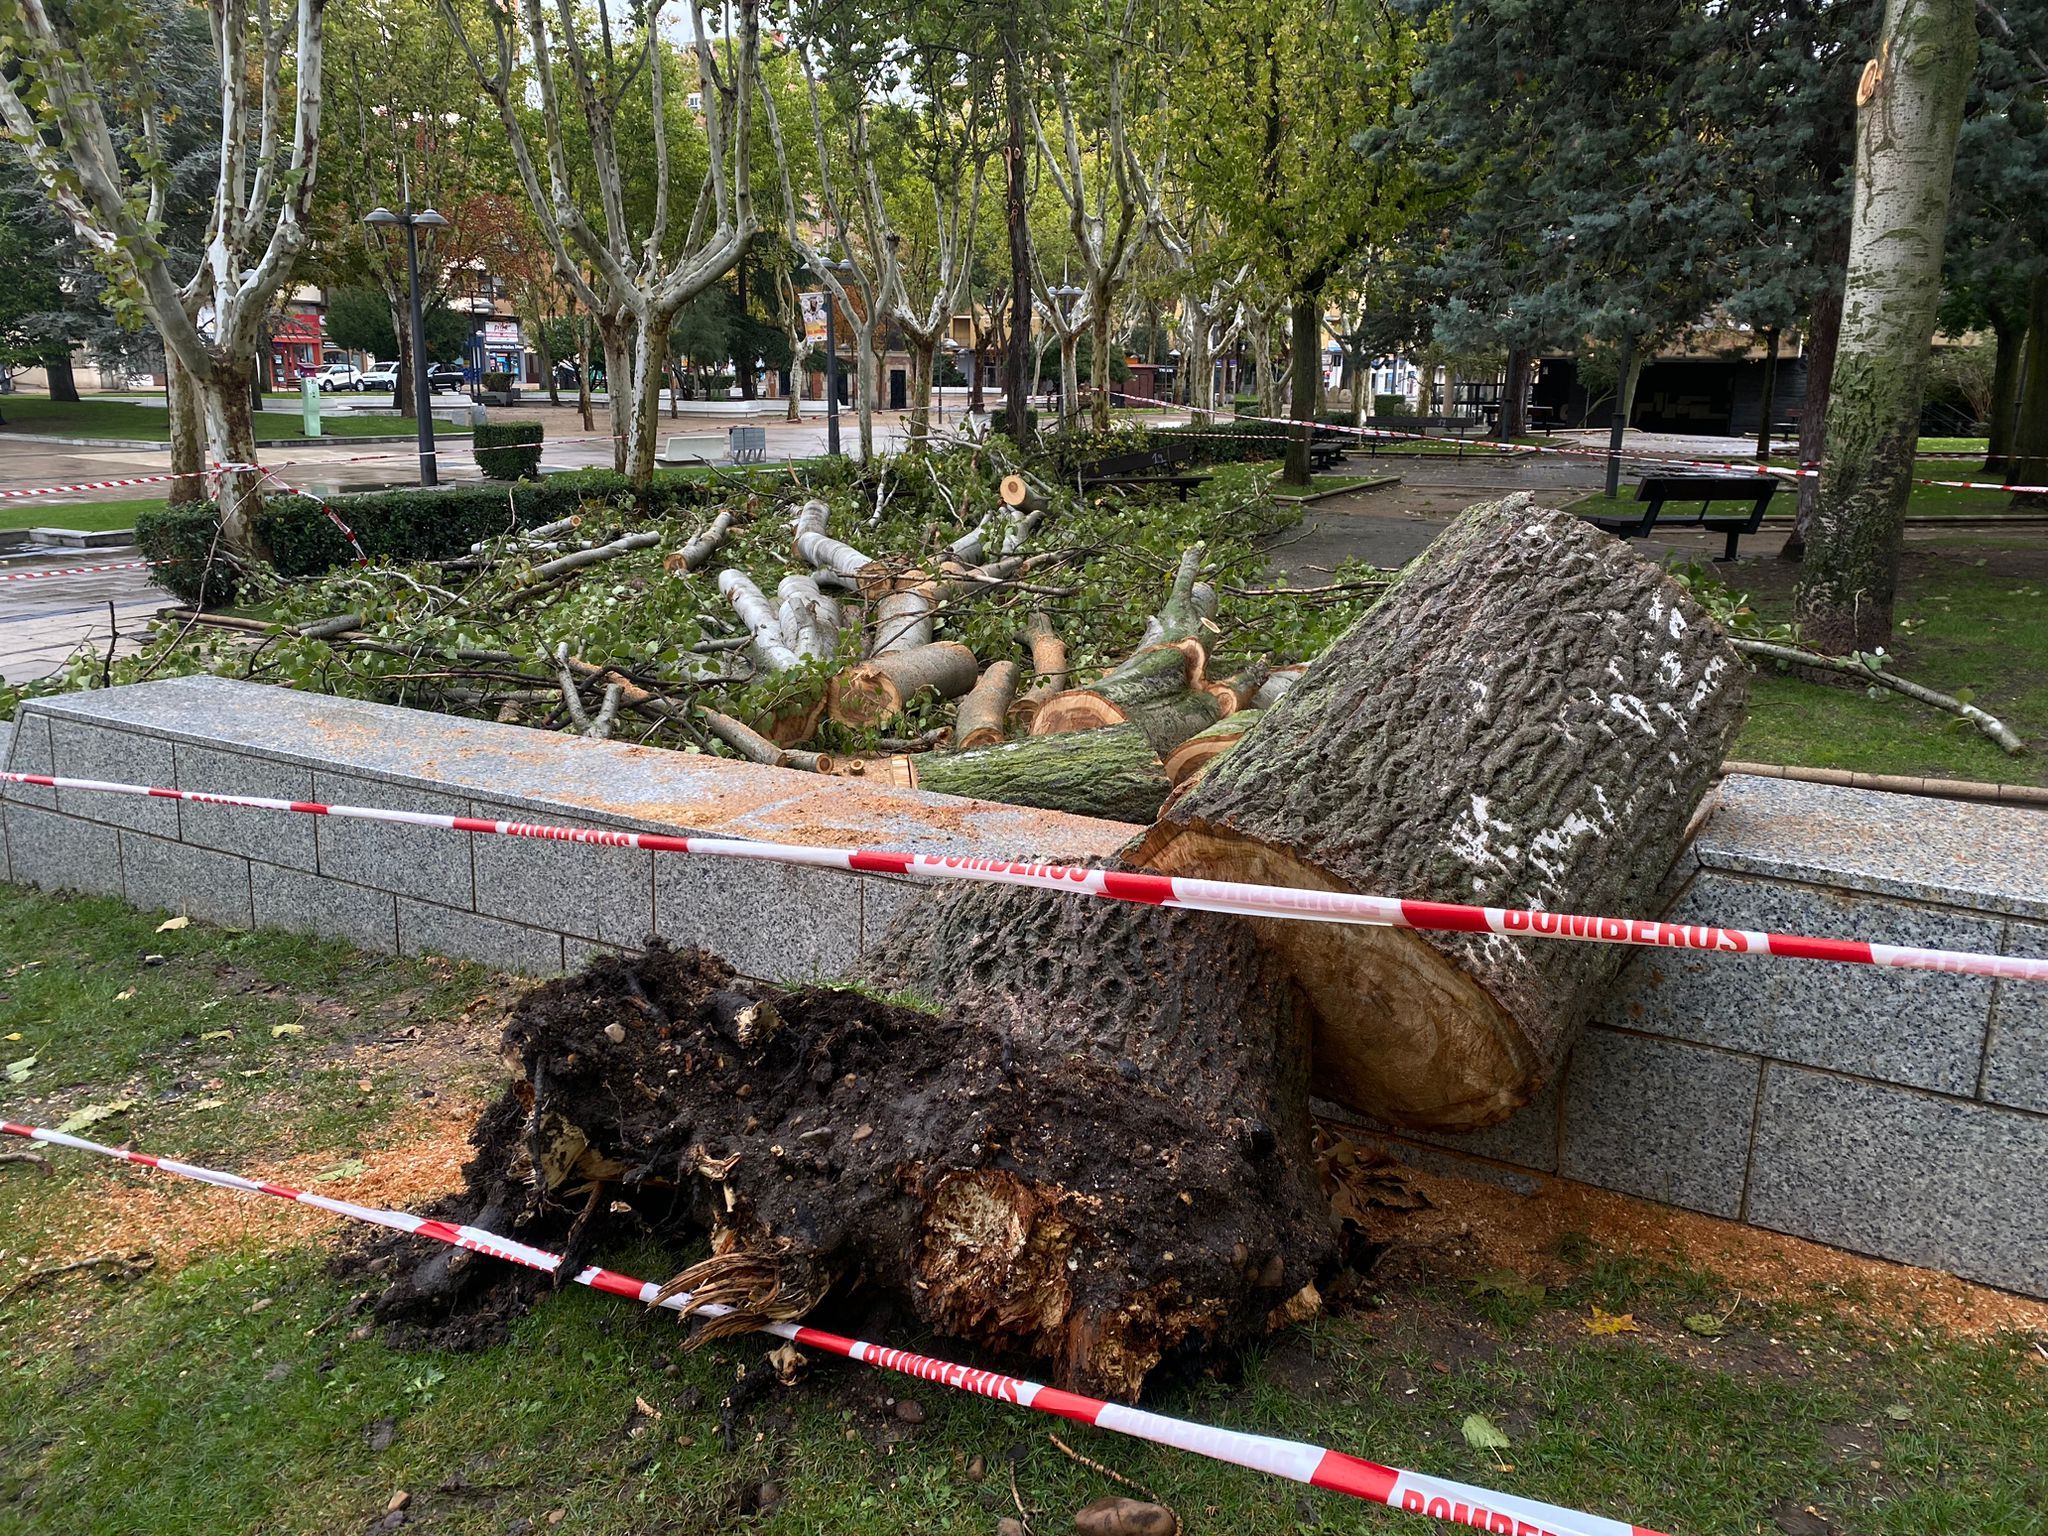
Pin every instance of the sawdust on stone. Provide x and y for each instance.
(1501, 1228)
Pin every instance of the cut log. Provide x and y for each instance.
(693, 554)
(877, 689)
(1018, 492)
(810, 620)
(984, 712)
(1160, 688)
(1239, 691)
(1526, 719)
(1274, 688)
(1048, 669)
(1111, 773)
(903, 615)
(820, 549)
(1203, 748)
(770, 650)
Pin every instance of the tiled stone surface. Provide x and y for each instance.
(769, 921)
(1659, 1119)
(613, 782)
(425, 862)
(503, 946)
(277, 837)
(2016, 1058)
(590, 892)
(301, 903)
(1991, 857)
(1906, 1175)
(82, 751)
(185, 881)
(60, 853)
(1912, 1027)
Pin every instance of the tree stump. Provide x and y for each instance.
(1527, 719)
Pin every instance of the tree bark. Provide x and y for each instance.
(1017, 218)
(2030, 431)
(187, 418)
(2010, 332)
(231, 434)
(1905, 156)
(1823, 336)
(1305, 317)
(1624, 405)
(1770, 392)
(983, 716)
(1112, 773)
(1514, 404)
(1526, 719)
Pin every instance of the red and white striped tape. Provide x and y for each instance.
(74, 570)
(86, 485)
(1437, 1498)
(1232, 896)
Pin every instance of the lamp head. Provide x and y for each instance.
(381, 216)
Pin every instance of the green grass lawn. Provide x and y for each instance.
(1972, 621)
(237, 1391)
(89, 515)
(149, 423)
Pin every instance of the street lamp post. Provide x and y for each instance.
(422, 393)
(832, 355)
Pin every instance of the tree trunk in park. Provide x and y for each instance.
(583, 373)
(186, 415)
(643, 425)
(1629, 369)
(1102, 378)
(1305, 316)
(1514, 402)
(2011, 332)
(922, 355)
(231, 433)
(1911, 106)
(2030, 432)
(618, 374)
(546, 359)
(1016, 205)
(402, 384)
(1425, 755)
(63, 382)
(1770, 393)
(1112, 772)
(1823, 337)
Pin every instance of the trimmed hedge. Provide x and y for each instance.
(1391, 405)
(1228, 442)
(507, 450)
(176, 541)
(441, 524)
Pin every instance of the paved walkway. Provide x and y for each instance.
(44, 622)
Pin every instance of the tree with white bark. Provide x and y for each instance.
(1910, 108)
(643, 266)
(85, 111)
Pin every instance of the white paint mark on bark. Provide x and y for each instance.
(1630, 708)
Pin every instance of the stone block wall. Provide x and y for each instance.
(517, 904)
(1895, 1113)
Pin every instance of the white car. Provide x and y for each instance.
(338, 376)
(382, 379)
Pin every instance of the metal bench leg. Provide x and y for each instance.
(1728, 554)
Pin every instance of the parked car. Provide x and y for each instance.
(382, 379)
(338, 376)
(445, 376)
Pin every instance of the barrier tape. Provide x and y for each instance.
(1436, 1498)
(1231, 896)
(1805, 471)
(74, 570)
(87, 485)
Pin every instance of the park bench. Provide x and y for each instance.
(1655, 490)
(749, 445)
(694, 448)
(1142, 469)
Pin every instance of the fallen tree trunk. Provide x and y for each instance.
(810, 620)
(770, 649)
(820, 549)
(1111, 773)
(693, 554)
(955, 1160)
(903, 615)
(984, 713)
(1202, 749)
(1048, 669)
(1526, 719)
(877, 689)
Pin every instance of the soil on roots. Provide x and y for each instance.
(834, 1145)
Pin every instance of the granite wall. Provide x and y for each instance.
(1895, 1113)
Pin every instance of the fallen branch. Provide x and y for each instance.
(763, 622)
(1859, 666)
(985, 710)
(576, 561)
(127, 1265)
(701, 548)
(820, 549)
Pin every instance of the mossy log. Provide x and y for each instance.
(1112, 773)
(1527, 719)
